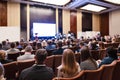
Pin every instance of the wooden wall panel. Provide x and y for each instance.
(41, 14)
(23, 21)
(104, 24)
(86, 21)
(60, 29)
(73, 22)
(3, 13)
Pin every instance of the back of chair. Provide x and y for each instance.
(108, 71)
(57, 62)
(24, 64)
(93, 74)
(77, 56)
(13, 56)
(10, 70)
(80, 76)
(50, 61)
(116, 71)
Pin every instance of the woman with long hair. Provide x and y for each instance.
(69, 66)
(87, 62)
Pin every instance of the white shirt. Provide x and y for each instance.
(26, 56)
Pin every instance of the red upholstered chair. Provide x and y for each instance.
(57, 62)
(116, 71)
(13, 56)
(77, 56)
(85, 75)
(80, 76)
(108, 71)
(10, 70)
(50, 61)
(24, 64)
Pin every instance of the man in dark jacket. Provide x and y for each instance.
(38, 71)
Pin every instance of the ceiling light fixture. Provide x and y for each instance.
(113, 1)
(54, 2)
(92, 7)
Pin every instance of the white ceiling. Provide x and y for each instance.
(76, 4)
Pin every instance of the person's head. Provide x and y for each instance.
(69, 61)
(59, 44)
(49, 42)
(81, 44)
(93, 46)
(40, 56)
(112, 52)
(85, 53)
(28, 49)
(12, 45)
(3, 42)
(2, 54)
(17, 43)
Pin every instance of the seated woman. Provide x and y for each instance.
(3, 58)
(2, 72)
(69, 66)
(88, 63)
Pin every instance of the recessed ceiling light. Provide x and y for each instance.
(113, 1)
(54, 2)
(92, 7)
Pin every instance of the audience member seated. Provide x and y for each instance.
(93, 46)
(3, 58)
(39, 71)
(69, 66)
(59, 49)
(4, 45)
(50, 46)
(81, 44)
(27, 55)
(34, 45)
(44, 43)
(12, 49)
(2, 72)
(88, 63)
(112, 55)
(67, 44)
(18, 46)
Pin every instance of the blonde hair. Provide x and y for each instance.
(69, 62)
(2, 54)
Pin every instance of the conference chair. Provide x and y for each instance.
(85, 75)
(116, 71)
(49, 61)
(108, 71)
(13, 56)
(57, 62)
(24, 64)
(77, 56)
(10, 70)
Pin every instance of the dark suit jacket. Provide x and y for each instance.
(58, 51)
(37, 72)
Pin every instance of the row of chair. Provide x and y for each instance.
(13, 69)
(105, 72)
(105, 45)
(52, 61)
